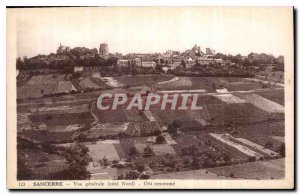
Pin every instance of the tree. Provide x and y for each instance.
(20, 63)
(191, 150)
(144, 176)
(227, 158)
(161, 61)
(133, 152)
(183, 64)
(132, 175)
(81, 137)
(104, 162)
(157, 132)
(186, 162)
(140, 167)
(121, 177)
(158, 67)
(269, 144)
(93, 51)
(251, 159)
(78, 159)
(169, 161)
(153, 165)
(195, 163)
(160, 139)
(213, 86)
(173, 127)
(148, 151)
(111, 61)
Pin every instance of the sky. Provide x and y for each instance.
(229, 30)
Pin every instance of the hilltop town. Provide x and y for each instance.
(239, 133)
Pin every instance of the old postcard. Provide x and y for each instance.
(150, 98)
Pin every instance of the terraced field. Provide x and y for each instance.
(62, 119)
(263, 103)
(210, 84)
(262, 133)
(36, 91)
(139, 80)
(247, 117)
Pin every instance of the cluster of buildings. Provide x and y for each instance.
(171, 59)
(168, 60)
(137, 62)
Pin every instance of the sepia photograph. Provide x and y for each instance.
(150, 97)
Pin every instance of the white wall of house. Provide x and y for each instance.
(78, 68)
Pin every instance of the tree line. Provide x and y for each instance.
(78, 56)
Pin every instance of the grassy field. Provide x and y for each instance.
(48, 136)
(262, 103)
(41, 164)
(111, 116)
(100, 150)
(262, 133)
(106, 129)
(277, 76)
(107, 173)
(166, 117)
(274, 95)
(221, 114)
(272, 169)
(38, 90)
(62, 118)
(234, 154)
(210, 84)
(39, 85)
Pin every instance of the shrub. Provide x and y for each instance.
(140, 167)
(144, 176)
(160, 139)
(251, 159)
(269, 144)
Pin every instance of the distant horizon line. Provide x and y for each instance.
(154, 52)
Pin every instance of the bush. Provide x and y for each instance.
(82, 137)
(132, 175)
(115, 162)
(133, 152)
(157, 133)
(251, 159)
(160, 139)
(148, 151)
(144, 176)
(269, 144)
(140, 167)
